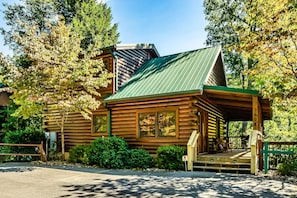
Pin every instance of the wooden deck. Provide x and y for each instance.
(232, 154)
(238, 161)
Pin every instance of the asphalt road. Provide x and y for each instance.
(25, 180)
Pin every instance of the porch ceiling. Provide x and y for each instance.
(236, 104)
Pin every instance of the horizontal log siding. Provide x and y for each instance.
(124, 118)
(77, 130)
(213, 114)
(129, 61)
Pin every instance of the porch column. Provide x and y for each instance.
(257, 125)
(257, 114)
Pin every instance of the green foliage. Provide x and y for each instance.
(288, 167)
(111, 152)
(139, 158)
(270, 38)
(170, 157)
(221, 17)
(30, 12)
(92, 21)
(18, 130)
(79, 154)
(25, 136)
(108, 152)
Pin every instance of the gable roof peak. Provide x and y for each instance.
(180, 73)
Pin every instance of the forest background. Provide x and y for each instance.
(259, 53)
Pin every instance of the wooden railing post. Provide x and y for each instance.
(192, 149)
(253, 144)
(39, 146)
(42, 153)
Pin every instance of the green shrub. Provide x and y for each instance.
(25, 136)
(170, 157)
(108, 152)
(79, 154)
(139, 158)
(288, 167)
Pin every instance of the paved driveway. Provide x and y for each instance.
(23, 180)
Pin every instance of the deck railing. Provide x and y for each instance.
(255, 143)
(39, 147)
(277, 152)
(192, 149)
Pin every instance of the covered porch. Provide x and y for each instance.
(236, 105)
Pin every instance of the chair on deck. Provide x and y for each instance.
(222, 146)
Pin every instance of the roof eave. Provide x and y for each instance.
(235, 90)
(137, 46)
(120, 100)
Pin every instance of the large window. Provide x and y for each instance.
(99, 125)
(157, 124)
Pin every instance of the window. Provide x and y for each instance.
(99, 123)
(157, 124)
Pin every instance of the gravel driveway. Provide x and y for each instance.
(24, 180)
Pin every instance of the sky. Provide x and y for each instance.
(172, 25)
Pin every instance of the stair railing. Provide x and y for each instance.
(192, 149)
(254, 142)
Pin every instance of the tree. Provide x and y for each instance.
(91, 20)
(30, 12)
(62, 76)
(270, 39)
(221, 16)
(49, 69)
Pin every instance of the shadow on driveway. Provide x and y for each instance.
(156, 186)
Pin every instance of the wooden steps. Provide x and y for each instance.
(231, 162)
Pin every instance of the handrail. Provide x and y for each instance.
(192, 149)
(40, 150)
(253, 143)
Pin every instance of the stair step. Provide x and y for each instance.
(220, 159)
(222, 163)
(221, 168)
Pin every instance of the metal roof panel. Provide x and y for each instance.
(177, 73)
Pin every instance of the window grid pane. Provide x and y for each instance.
(99, 123)
(166, 124)
(157, 124)
(147, 124)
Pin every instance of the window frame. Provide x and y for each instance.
(101, 133)
(156, 111)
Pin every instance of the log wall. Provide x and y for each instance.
(215, 120)
(77, 130)
(124, 121)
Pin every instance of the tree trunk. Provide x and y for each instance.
(62, 137)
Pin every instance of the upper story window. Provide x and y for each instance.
(157, 123)
(99, 125)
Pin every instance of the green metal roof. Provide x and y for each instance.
(234, 90)
(169, 75)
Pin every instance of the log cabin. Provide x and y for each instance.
(154, 101)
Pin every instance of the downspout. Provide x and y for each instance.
(116, 70)
(109, 122)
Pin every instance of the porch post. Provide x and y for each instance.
(256, 114)
(257, 125)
